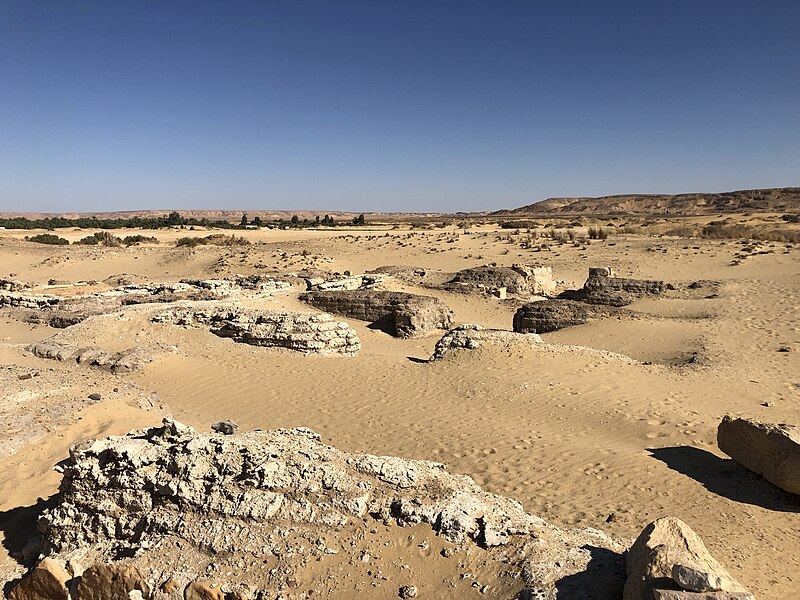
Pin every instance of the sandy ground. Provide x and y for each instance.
(580, 437)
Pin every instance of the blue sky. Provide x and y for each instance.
(390, 105)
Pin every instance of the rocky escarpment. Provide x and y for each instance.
(518, 279)
(555, 314)
(402, 314)
(168, 506)
(771, 450)
(469, 337)
(310, 333)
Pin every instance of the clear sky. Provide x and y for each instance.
(391, 105)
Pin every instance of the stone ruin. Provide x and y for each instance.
(64, 311)
(520, 280)
(401, 314)
(555, 314)
(310, 333)
(169, 513)
(602, 296)
(771, 450)
(603, 287)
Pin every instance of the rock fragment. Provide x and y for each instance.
(668, 547)
(48, 581)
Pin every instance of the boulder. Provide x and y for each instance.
(111, 582)
(555, 314)
(667, 555)
(48, 581)
(402, 314)
(203, 590)
(771, 450)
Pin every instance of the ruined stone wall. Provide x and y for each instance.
(618, 291)
(552, 315)
(403, 314)
(301, 332)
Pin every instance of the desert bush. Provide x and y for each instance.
(130, 240)
(100, 238)
(48, 238)
(216, 239)
(597, 233)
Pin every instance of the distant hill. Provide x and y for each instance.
(763, 200)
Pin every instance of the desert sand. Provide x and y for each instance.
(607, 425)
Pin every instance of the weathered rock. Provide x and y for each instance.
(225, 427)
(301, 332)
(48, 581)
(618, 291)
(203, 590)
(125, 361)
(517, 279)
(352, 282)
(403, 314)
(254, 493)
(664, 545)
(684, 595)
(771, 450)
(111, 582)
(469, 336)
(555, 314)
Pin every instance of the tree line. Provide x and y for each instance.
(173, 219)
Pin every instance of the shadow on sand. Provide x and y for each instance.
(726, 477)
(19, 529)
(603, 577)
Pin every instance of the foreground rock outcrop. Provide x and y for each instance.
(771, 450)
(555, 314)
(310, 333)
(402, 314)
(169, 509)
(669, 561)
(469, 337)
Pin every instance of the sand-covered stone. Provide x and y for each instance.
(771, 450)
(471, 336)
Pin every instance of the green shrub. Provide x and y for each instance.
(100, 238)
(130, 240)
(48, 238)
